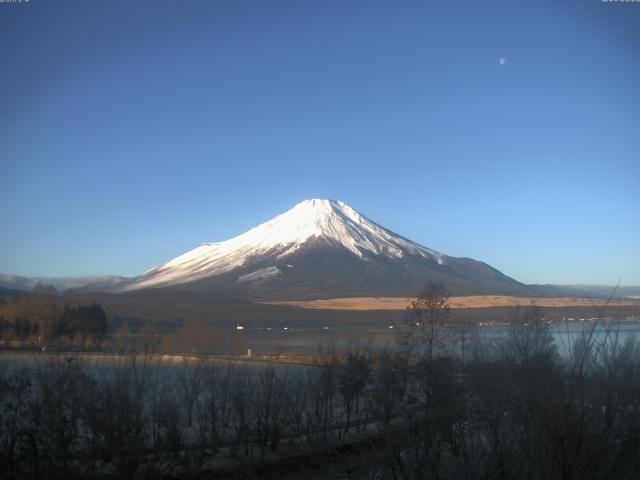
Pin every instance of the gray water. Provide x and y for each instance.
(311, 341)
(314, 340)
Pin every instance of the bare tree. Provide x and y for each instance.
(529, 336)
(58, 411)
(463, 329)
(270, 407)
(190, 381)
(352, 380)
(302, 387)
(214, 408)
(241, 390)
(426, 316)
(390, 384)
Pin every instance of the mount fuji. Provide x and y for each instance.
(319, 249)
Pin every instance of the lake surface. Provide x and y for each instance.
(314, 340)
(311, 341)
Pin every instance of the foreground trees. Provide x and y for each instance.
(540, 417)
(519, 407)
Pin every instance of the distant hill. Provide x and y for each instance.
(17, 282)
(599, 290)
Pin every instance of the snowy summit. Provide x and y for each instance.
(318, 249)
(309, 222)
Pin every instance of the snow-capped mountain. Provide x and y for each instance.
(319, 248)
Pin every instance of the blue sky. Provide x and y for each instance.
(131, 132)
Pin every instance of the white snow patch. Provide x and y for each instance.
(260, 274)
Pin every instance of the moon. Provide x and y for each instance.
(503, 60)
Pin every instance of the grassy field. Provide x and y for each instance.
(472, 301)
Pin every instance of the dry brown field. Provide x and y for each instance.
(472, 301)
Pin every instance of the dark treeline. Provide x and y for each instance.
(444, 404)
(84, 325)
(85, 321)
(37, 319)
